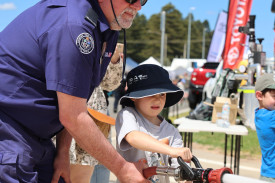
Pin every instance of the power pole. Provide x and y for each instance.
(203, 43)
(162, 28)
(189, 36)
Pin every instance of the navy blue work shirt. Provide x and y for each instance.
(51, 47)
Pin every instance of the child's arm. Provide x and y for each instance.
(145, 142)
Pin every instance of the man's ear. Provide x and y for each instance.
(259, 95)
(133, 99)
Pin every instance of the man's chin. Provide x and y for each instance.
(122, 25)
(115, 28)
(126, 25)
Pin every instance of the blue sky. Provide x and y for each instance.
(202, 10)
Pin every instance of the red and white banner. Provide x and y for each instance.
(238, 15)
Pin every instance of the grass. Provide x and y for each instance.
(249, 145)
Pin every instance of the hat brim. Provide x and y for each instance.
(173, 95)
(271, 87)
(101, 117)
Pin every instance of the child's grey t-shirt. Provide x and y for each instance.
(129, 120)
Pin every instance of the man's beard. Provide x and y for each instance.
(124, 23)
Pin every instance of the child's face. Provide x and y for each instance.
(267, 101)
(150, 107)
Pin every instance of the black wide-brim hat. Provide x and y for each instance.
(148, 80)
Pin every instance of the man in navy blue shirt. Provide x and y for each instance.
(52, 56)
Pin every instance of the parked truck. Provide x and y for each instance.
(199, 77)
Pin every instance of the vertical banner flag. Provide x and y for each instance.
(238, 15)
(217, 42)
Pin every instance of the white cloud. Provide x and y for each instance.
(192, 8)
(7, 6)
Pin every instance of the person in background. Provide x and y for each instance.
(52, 56)
(101, 174)
(265, 124)
(84, 168)
(119, 92)
(141, 131)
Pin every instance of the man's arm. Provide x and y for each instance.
(74, 117)
(62, 158)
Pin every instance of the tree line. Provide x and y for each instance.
(144, 36)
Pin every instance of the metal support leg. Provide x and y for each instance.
(238, 157)
(191, 141)
(185, 138)
(225, 150)
(188, 140)
(231, 153)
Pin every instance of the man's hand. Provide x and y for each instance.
(61, 168)
(183, 152)
(62, 161)
(132, 172)
(118, 54)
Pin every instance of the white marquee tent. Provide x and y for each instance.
(179, 66)
(130, 64)
(151, 60)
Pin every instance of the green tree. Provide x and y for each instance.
(175, 30)
(144, 36)
(135, 38)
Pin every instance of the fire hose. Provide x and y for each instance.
(198, 174)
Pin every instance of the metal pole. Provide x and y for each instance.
(165, 47)
(203, 43)
(225, 150)
(162, 37)
(189, 36)
(184, 50)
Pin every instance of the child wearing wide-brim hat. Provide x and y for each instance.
(141, 131)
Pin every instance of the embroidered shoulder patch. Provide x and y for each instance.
(85, 43)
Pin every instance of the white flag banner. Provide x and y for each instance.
(218, 39)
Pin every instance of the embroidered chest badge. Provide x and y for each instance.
(85, 43)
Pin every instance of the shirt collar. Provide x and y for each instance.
(104, 24)
(57, 3)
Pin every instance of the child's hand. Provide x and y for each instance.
(183, 152)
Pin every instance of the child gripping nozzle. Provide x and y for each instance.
(149, 90)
